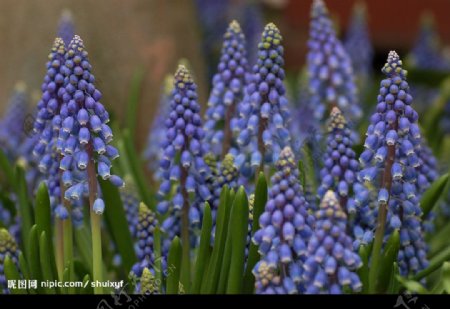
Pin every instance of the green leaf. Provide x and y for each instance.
(86, 283)
(434, 264)
(203, 251)
(7, 169)
(412, 286)
(389, 256)
(137, 171)
(47, 272)
(432, 196)
(34, 257)
(239, 230)
(25, 209)
(446, 277)
(394, 285)
(117, 223)
(43, 220)
(253, 255)
(308, 163)
(226, 261)
(301, 168)
(173, 267)
(11, 273)
(209, 285)
(83, 243)
(133, 100)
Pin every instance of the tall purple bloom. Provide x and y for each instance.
(331, 263)
(285, 228)
(227, 91)
(182, 163)
(66, 27)
(153, 152)
(331, 80)
(12, 130)
(340, 163)
(8, 247)
(84, 137)
(263, 122)
(426, 53)
(357, 43)
(145, 254)
(48, 124)
(389, 163)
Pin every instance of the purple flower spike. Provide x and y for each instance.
(182, 157)
(394, 173)
(329, 67)
(285, 228)
(85, 135)
(227, 91)
(341, 166)
(331, 263)
(265, 106)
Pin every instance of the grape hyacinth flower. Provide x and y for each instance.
(130, 202)
(145, 229)
(182, 163)
(389, 163)
(427, 173)
(331, 263)
(263, 123)
(148, 284)
(285, 228)
(357, 43)
(331, 80)
(8, 247)
(47, 126)
(221, 174)
(84, 137)
(426, 53)
(84, 142)
(153, 152)
(340, 163)
(227, 91)
(12, 132)
(66, 27)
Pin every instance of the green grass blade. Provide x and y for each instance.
(446, 277)
(173, 267)
(203, 251)
(34, 257)
(389, 256)
(253, 255)
(137, 171)
(117, 224)
(11, 273)
(6, 168)
(432, 196)
(363, 272)
(209, 285)
(434, 264)
(83, 243)
(158, 255)
(44, 221)
(25, 209)
(47, 272)
(239, 221)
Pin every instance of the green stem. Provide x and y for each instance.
(97, 267)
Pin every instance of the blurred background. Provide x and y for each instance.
(150, 36)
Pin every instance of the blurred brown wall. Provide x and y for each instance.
(120, 37)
